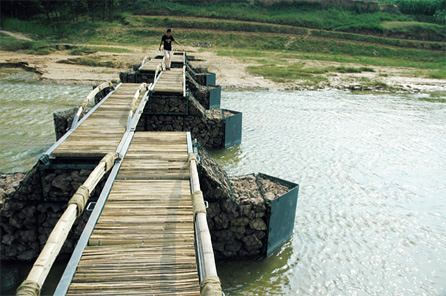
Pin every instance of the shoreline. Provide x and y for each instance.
(231, 72)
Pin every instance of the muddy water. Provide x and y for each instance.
(26, 121)
(371, 216)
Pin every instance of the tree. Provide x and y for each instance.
(91, 4)
(110, 10)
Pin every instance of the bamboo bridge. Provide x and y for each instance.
(147, 233)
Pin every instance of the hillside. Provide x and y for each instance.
(291, 45)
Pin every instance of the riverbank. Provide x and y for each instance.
(233, 72)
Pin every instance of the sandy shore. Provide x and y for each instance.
(231, 72)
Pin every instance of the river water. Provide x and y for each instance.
(371, 215)
(26, 121)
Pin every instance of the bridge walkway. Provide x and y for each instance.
(143, 242)
(103, 130)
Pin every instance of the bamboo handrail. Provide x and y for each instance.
(210, 285)
(87, 100)
(144, 61)
(133, 105)
(163, 65)
(158, 68)
(36, 277)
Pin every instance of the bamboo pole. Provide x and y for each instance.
(158, 69)
(210, 286)
(144, 60)
(87, 100)
(36, 277)
(133, 105)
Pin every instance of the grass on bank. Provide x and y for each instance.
(8, 43)
(288, 72)
(271, 48)
(243, 26)
(288, 66)
(96, 62)
(301, 15)
(323, 49)
(91, 49)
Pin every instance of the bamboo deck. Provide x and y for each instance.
(143, 243)
(151, 65)
(170, 82)
(102, 131)
(178, 57)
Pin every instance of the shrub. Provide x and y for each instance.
(10, 44)
(43, 51)
(420, 7)
(440, 17)
(82, 51)
(348, 70)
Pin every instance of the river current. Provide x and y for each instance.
(371, 214)
(26, 121)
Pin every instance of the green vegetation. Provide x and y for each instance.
(440, 74)
(375, 84)
(95, 62)
(82, 50)
(282, 66)
(11, 44)
(294, 15)
(433, 10)
(114, 49)
(42, 31)
(286, 72)
(31, 47)
(424, 31)
(354, 70)
(244, 26)
(273, 39)
(420, 7)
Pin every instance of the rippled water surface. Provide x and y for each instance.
(371, 215)
(26, 121)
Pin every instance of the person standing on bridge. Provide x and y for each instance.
(166, 42)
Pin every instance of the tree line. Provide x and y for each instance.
(57, 10)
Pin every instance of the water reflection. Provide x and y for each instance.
(249, 278)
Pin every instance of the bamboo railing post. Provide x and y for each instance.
(36, 277)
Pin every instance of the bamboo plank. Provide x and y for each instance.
(143, 243)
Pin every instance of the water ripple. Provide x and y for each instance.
(26, 121)
(371, 216)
